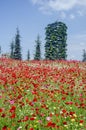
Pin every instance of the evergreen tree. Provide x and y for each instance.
(37, 55)
(28, 55)
(84, 55)
(17, 50)
(12, 50)
(56, 36)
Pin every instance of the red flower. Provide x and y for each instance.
(81, 121)
(63, 98)
(31, 103)
(51, 124)
(31, 129)
(1, 110)
(82, 105)
(32, 118)
(4, 128)
(71, 113)
(3, 115)
(13, 108)
(26, 118)
(35, 100)
(64, 111)
(65, 123)
(69, 103)
(13, 115)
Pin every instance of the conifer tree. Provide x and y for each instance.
(37, 55)
(17, 46)
(28, 55)
(12, 50)
(84, 56)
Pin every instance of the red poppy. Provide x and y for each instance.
(13, 108)
(71, 113)
(64, 111)
(4, 128)
(31, 129)
(3, 115)
(81, 121)
(65, 123)
(32, 118)
(1, 110)
(51, 124)
(13, 115)
(26, 118)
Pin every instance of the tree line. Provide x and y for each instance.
(55, 44)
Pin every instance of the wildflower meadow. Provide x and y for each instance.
(42, 95)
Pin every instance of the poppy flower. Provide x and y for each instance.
(12, 109)
(26, 118)
(51, 124)
(13, 115)
(31, 129)
(1, 110)
(4, 128)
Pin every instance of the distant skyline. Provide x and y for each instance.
(32, 16)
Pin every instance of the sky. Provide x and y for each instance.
(32, 16)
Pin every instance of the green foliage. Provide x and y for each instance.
(17, 50)
(37, 55)
(56, 36)
(12, 50)
(28, 55)
(84, 55)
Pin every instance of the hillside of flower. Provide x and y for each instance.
(42, 95)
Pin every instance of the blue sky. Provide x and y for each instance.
(32, 16)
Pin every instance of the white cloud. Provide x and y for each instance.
(60, 5)
(81, 12)
(72, 16)
(55, 4)
(81, 2)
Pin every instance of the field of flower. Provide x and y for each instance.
(42, 95)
